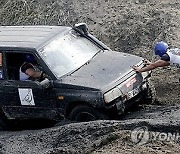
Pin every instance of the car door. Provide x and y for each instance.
(27, 99)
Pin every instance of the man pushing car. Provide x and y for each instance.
(168, 56)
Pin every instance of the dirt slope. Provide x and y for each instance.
(131, 26)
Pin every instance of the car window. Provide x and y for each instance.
(68, 52)
(17, 63)
(1, 66)
(13, 62)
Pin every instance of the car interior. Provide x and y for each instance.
(14, 62)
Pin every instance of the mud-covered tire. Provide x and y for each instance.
(82, 113)
(150, 94)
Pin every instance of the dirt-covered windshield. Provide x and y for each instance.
(68, 52)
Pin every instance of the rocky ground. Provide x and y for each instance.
(131, 26)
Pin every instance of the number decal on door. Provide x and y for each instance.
(26, 96)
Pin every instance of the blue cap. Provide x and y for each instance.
(30, 58)
(161, 48)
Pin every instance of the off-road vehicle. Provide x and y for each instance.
(85, 80)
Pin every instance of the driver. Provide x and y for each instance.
(28, 71)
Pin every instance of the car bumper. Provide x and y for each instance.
(123, 103)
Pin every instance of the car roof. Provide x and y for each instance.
(28, 36)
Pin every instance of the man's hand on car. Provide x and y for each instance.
(146, 62)
(136, 68)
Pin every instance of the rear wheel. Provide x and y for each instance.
(82, 113)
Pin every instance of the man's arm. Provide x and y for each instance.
(32, 73)
(158, 63)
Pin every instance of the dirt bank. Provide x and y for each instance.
(100, 136)
(131, 26)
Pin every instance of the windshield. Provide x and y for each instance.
(68, 52)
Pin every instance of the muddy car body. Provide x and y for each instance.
(85, 80)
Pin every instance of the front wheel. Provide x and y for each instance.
(82, 113)
(150, 93)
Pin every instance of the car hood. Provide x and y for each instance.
(104, 71)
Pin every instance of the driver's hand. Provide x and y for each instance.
(43, 76)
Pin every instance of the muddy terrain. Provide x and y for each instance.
(131, 26)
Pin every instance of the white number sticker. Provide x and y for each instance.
(26, 96)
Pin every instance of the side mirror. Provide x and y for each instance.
(46, 83)
(81, 27)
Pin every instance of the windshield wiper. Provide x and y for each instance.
(95, 55)
(85, 63)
